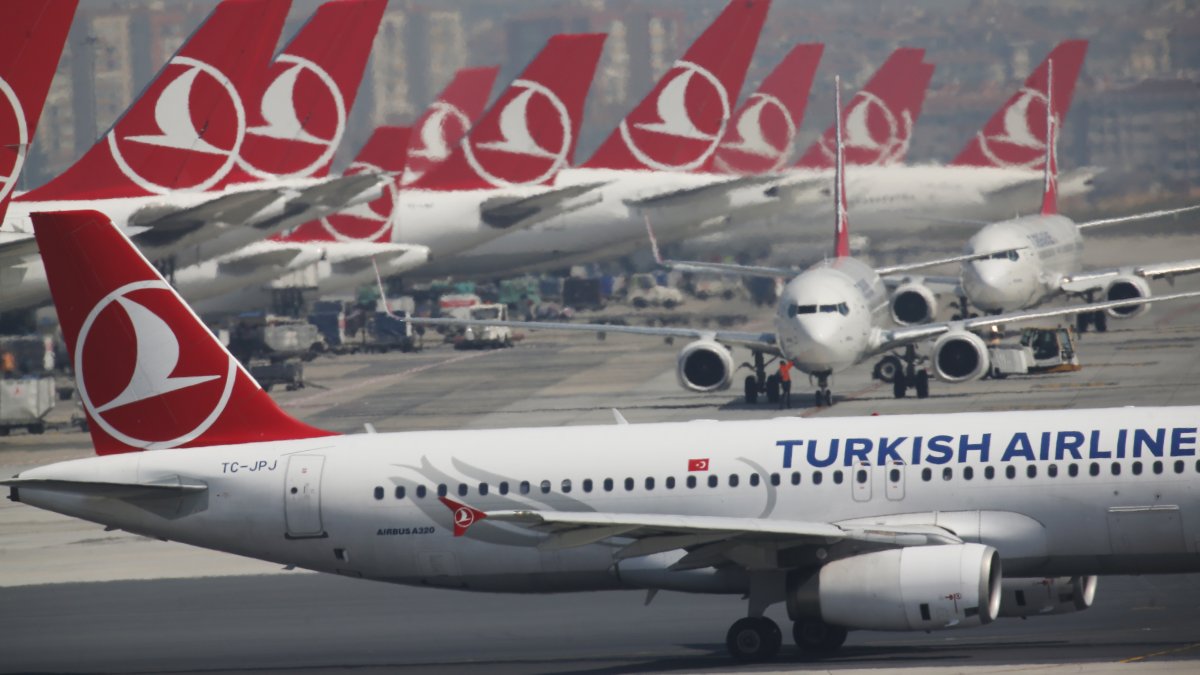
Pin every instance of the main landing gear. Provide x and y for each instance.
(962, 309)
(760, 382)
(758, 638)
(904, 372)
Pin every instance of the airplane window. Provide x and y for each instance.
(378, 493)
(1158, 467)
(894, 475)
(1072, 470)
(1094, 469)
(968, 473)
(670, 482)
(504, 487)
(860, 476)
(442, 490)
(608, 484)
(691, 481)
(926, 474)
(947, 473)
(524, 487)
(1136, 468)
(649, 483)
(843, 309)
(774, 479)
(566, 485)
(483, 489)
(733, 480)
(795, 478)
(1179, 466)
(545, 487)
(587, 484)
(817, 478)
(1052, 471)
(1010, 472)
(1198, 466)
(462, 489)
(399, 492)
(828, 309)
(420, 492)
(989, 472)
(628, 484)
(713, 480)
(1031, 471)
(837, 477)
(1116, 468)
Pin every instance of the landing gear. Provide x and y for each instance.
(910, 376)
(754, 639)
(751, 389)
(962, 309)
(759, 383)
(773, 389)
(818, 638)
(823, 397)
(887, 367)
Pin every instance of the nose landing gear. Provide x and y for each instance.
(823, 397)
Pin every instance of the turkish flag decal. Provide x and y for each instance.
(698, 464)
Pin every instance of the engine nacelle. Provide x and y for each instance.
(1043, 597)
(911, 588)
(1127, 288)
(705, 366)
(960, 356)
(913, 303)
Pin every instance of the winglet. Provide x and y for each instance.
(653, 241)
(842, 233)
(1050, 190)
(464, 516)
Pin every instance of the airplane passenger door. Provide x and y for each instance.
(302, 496)
(860, 482)
(894, 480)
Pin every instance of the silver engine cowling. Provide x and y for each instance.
(1126, 288)
(1046, 596)
(960, 356)
(911, 588)
(704, 366)
(913, 303)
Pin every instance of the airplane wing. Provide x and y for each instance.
(942, 283)
(689, 196)
(520, 212)
(17, 246)
(764, 342)
(1097, 279)
(166, 227)
(893, 269)
(357, 257)
(1150, 215)
(263, 254)
(895, 337)
(336, 194)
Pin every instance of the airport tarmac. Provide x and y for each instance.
(76, 598)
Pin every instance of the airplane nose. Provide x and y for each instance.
(818, 344)
(989, 286)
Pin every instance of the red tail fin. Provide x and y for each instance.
(679, 124)
(385, 151)
(841, 244)
(299, 117)
(879, 119)
(448, 119)
(1050, 190)
(150, 374)
(760, 138)
(185, 130)
(1015, 136)
(32, 35)
(529, 133)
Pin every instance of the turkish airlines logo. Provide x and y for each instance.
(285, 146)
(207, 147)
(534, 139)
(9, 181)
(137, 390)
(443, 123)
(1021, 142)
(874, 134)
(692, 113)
(765, 141)
(463, 518)
(364, 222)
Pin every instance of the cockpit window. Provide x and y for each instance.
(801, 309)
(1002, 255)
(840, 308)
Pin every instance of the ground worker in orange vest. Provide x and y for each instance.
(785, 384)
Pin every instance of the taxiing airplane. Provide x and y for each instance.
(902, 523)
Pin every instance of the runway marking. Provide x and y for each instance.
(366, 386)
(1164, 652)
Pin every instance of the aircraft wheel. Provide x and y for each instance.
(773, 389)
(922, 385)
(751, 389)
(818, 637)
(1081, 322)
(886, 368)
(899, 384)
(754, 638)
(818, 399)
(828, 398)
(1101, 322)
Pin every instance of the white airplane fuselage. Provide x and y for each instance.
(1073, 492)
(1052, 248)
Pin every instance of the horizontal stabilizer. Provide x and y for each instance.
(1151, 215)
(688, 197)
(506, 212)
(172, 486)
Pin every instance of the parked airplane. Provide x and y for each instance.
(829, 318)
(904, 523)
(1038, 258)
(445, 122)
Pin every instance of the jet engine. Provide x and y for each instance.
(1127, 287)
(960, 356)
(1042, 597)
(913, 303)
(911, 588)
(705, 366)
